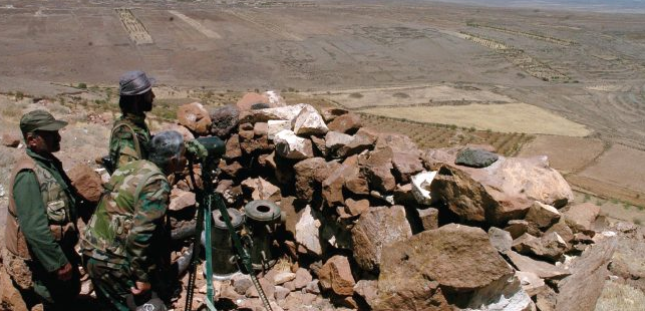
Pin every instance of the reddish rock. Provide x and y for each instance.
(303, 277)
(233, 149)
(355, 208)
(260, 129)
(429, 218)
(249, 100)
(541, 269)
(224, 120)
(11, 140)
(405, 165)
(306, 182)
(455, 257)
(319, 144)
(376, 229)
(376, 166)
(296, 301)
(581, 217)
(257, 144)
(550, 246)
(355, 182)
(267, 287)
(518, 227)
(368, 290)
(581, 290)
(347, 123)
(230, 169)
(281, 293)
(195, 117)
(332, 187)
(87, 182)
(180, 199)
(542, 215)
(331, 113)
(339, 145)
(283, 277)
(245, 130)
(9, 295)
(502, 191)
(336, 275)
(260, 189)
(396, 142)
(309, 122)
(562, 229)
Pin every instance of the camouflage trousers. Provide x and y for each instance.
(112, 284)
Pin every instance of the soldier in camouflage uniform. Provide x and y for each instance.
(126, 242)
(41, 228)
(130, 134)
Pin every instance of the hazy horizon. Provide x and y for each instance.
(617, 6)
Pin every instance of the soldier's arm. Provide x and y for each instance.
(123, 148)
(33, 222)
(149, 214)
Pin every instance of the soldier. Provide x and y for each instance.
(130, 134)
(41, 228)
(126, 242)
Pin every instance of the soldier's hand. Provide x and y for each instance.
(140, 288)
(64, 273)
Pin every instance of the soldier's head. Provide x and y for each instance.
(167, 151)
(40, 131)
(135, 91)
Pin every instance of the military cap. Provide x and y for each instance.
(135, 83)
(40, 120)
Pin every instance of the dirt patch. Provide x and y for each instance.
(620, 166)
(433, 95)
(506, 118)
(566, 154)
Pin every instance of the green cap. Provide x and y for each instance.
(40, 120)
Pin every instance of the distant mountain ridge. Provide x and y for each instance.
(609, 6)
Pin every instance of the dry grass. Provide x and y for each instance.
(505, 118)
(616, 296)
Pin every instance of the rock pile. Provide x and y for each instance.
(374, 222)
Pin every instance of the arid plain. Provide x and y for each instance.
(572, 82)
(570, 85)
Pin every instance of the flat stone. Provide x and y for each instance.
(542, 215)
(531, 283)
(283, 277)
(581, 217)
(541, 269)
(475, 158)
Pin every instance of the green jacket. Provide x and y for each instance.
(126, 147)
(36, 218)
(128, 228)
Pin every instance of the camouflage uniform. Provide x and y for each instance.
(127, 239)
(126, 147)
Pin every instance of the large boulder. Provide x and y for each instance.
(195, 117)
(502, 191)
(453, 259)
(581, 217)
(87, 182)
(224, 120)
(376, 229)
(252, 100)
(289, 146)
(581, 290)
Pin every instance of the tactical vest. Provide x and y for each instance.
(56, 200)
